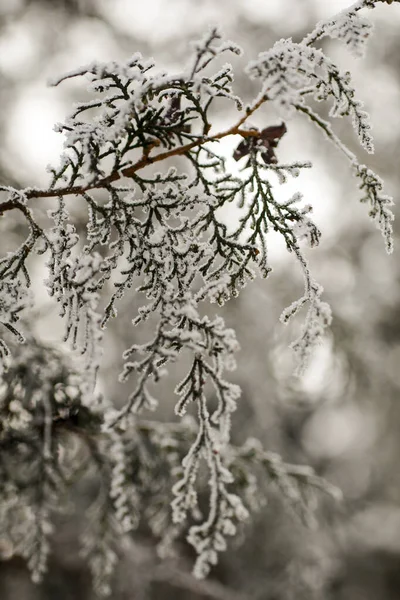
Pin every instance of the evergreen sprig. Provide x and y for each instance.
(161, 234)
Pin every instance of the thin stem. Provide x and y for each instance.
(144, 161)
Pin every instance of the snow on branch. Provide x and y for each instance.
(289, 70)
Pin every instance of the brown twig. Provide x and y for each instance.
(11, 204)
(144, 161)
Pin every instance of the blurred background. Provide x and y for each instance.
(343, 415)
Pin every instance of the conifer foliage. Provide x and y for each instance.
(160, 234)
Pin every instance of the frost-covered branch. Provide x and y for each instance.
(159, 235)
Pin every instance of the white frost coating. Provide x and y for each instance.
(289, 70)
(353, 29)
(372, 186)
(347, 25)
